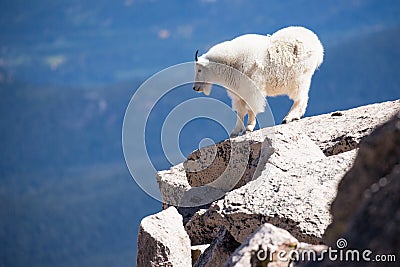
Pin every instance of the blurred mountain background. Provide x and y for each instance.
(69, 68)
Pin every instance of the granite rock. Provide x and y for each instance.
(378, 155)
(162, 241)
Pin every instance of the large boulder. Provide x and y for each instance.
(295, 199)
(162, 241)
(288, 176)
(366, 211)
(375, 225)
(199, 180)
(378, 155)
(275, 192)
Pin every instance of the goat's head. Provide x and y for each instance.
(201, 75)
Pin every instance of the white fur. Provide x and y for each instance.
(280, 64)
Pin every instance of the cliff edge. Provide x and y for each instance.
(293, 188)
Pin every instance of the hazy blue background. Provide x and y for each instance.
(68, 70)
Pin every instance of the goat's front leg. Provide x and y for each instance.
(240, 106)
(251, 121)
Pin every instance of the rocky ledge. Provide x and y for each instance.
(294, 187)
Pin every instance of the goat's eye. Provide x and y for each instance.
(199, 71)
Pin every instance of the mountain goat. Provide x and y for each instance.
(277, 64)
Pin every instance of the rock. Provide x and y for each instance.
(262, 248)
(366, 211)
(241, 160)
(296, 200)
(197, 251)
(207, 164)
(333, 134)
(162, 241)
(375, 225)
(202, 229)
(378, 155)
(255, 148)
(288, 175)
(173, 184)
(338, 134)
(219, 250)
(231, 163)
(283, 145)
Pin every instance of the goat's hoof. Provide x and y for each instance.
(233, 135)
(287, 121)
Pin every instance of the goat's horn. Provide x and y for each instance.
(196, 55)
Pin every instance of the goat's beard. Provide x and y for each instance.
(207, 90)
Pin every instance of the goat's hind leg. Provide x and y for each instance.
(300, 100)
